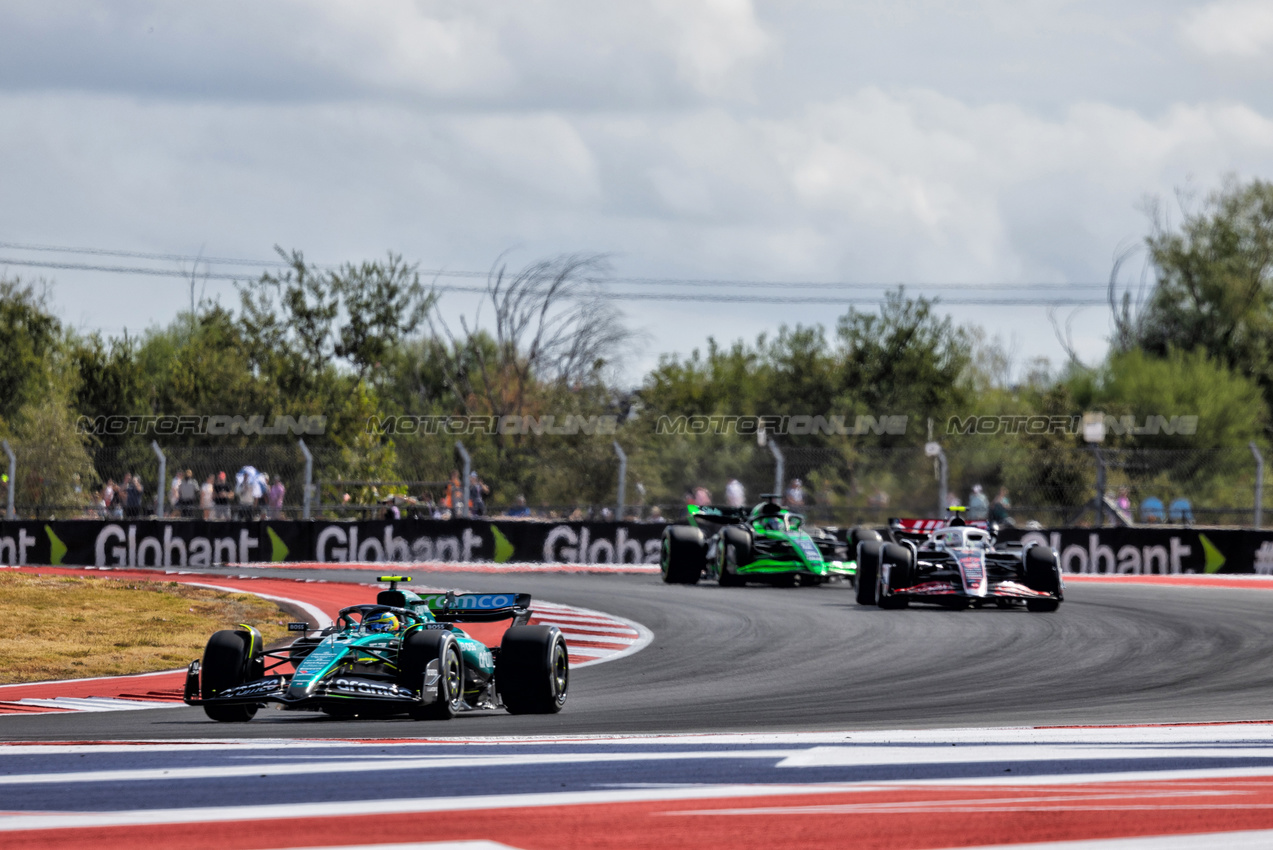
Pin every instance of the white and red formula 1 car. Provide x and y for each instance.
(957, 565)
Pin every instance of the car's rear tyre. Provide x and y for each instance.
(226, 663)
(735, 549)
(418, 649)
(532, 672)
(868, 564)
(895, 572)
(683, 555)
(862, 534)
(1042, 574)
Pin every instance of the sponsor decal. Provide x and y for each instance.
(974, 570)
(254, 689)
(367, 688)
(472, 601)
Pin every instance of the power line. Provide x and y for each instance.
(1070, 294)
(713, 297)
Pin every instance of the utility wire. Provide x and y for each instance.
(1067, 294)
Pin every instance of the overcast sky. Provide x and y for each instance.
(933, 143)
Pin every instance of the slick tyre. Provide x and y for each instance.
(868, 561)
(895, 573)
(532, 672)
(862, 534)
(683, 555)
(226, 663)
(735, 549)
(418, 650)
(1043, 574)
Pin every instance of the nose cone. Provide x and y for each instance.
(972, 569)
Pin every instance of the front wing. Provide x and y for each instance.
(332, 690)
(953, 587)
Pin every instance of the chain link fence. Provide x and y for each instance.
(1052, 486)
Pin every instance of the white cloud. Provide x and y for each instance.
(1240, 29)
(715, 42)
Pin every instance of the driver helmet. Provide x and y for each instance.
(381, 621)
(772, 523)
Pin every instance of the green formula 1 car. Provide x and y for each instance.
(768, 543)
(403, 655)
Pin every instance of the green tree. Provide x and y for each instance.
(1214, 284)
(30, 337)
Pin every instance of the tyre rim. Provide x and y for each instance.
(561, 669)
(452, 677)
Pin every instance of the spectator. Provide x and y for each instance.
(174, 492)
(108, 498)
(245, 491)
(1180, 511)
(878, 499)
(1000, 507)
(519, 508)
(132, 496)
(392, 511)
(222, 496)
(978, 506)
(795, 493)
(952, 501)
(188, 494)
(1151, 510)
(735, 495)
(454, 495)
(656, 514)
(478, 491)
(277, 492)
(207, 493)
(702, 496)
(1124, 501)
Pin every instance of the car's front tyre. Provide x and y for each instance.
(895, 573)
(419, 648)
(1042, 574)
(683, 554)
(226, 664)
(868, 566)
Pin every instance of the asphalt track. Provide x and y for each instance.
(804, 659)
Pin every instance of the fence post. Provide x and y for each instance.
(464, 482)
(9, 512)
(1100, 487)
(309, 479)
(943, 482)
(780, 466)
(623, 480)
(1259, 484)
(163, 473)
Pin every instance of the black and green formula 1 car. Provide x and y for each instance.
(768, 543)
(403, 655)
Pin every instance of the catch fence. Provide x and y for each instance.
(1051, 487)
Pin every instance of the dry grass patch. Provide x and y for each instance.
(57, 627)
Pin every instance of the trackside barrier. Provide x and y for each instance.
(1117, 551)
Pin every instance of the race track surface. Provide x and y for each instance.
(803, 659)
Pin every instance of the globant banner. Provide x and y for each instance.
(156, 543)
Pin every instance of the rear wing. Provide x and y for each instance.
(925, 527)
(716, 514)
(451, 607)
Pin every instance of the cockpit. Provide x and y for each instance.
(961, 537)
